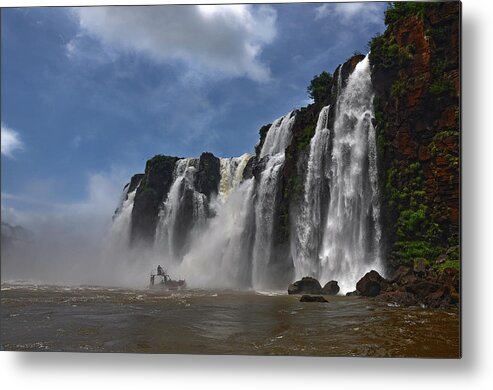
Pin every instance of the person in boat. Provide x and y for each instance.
(160, 270)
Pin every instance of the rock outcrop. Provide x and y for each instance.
(313, 298)
(307, 285)
(417, 90)
(155, 185)
(208, 175)
(331, 288)
(371, 284)
(413, 287)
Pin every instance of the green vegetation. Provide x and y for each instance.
(454, 264)
(442, 86)
(416, 232)
(305, 137)
(398, 88)
(387, 54)
(400, 10)
(158, 160)
(408, 251)
(320, 87)
(149, 191)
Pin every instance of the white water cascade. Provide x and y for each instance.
(306, 240)
(277, 139)
(232, 174)
(166, 232)
(352, 232)
(119, 234)
(220, 256)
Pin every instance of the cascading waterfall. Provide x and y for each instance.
(232, 174)
(221, 255)
(167, 227)
(278, 136)
(119, 234)
(277, 139)
(224, 244)
(226, 239)
(306, 240)
(351, 236)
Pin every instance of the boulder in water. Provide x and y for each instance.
(307, 285)
(312, 298)
(371, 284)
(331, 288)
(354, 293)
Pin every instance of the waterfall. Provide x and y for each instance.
(221, 255)
(232, 174)
(230, 241)
(119, 234)
(305, 244)
(278, 136)
(182, 196)
(351, 235)
(277, 139)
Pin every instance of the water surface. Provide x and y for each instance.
(54, 318)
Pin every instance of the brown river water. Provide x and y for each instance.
(98, 319)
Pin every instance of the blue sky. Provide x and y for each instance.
(89, 94)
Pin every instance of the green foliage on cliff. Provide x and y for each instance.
(398, 88)
(320, 86)
(398, 10)
(159, 160)
(416, 232)
(305, 137)
(387, 54)
(441, 87)
(408, 251)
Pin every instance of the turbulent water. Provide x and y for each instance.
(47, 318)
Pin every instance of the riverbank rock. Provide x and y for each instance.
(312, 298)
(354, 293)
(331, 288)
(371, 284)
(307, 285)
(420, 285)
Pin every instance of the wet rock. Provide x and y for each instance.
(408, 279)
(401, 298)
(354, 293)
(331, 288)
(312, 298)
(420, 267)
(208, 174)
(400, 273)
(423, 288)
(154, 187)
(450, 276)
(371, 284)
(307, 285)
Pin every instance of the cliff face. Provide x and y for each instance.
(417, 90)
(152, 191)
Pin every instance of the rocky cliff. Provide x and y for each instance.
(416, 76)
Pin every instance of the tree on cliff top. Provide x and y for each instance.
(319, 88)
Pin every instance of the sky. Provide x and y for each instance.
(89, 94)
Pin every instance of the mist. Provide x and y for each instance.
(72, 244)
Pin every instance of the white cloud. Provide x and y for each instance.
(224, 39)
(356, 13)
(10, 140)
